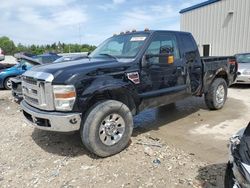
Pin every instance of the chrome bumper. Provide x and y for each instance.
(51, 121)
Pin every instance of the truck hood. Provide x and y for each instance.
(72, 66)
(66, 72)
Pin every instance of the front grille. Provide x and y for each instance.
(31, 100)
(30, 80)
(37, 91)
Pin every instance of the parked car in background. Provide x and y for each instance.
(5, 65)
(244, 68)
(47, 57)
(70, 57)
(18, 69)
(2, 56)
(16, 87)
(238, 167)
(16, 82)
(19, 55)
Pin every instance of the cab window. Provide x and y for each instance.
(167, 42)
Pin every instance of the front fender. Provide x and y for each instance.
(105, 84)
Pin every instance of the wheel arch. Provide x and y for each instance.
(9, 76)
(221, 73)
(108, 88)
(120, 94)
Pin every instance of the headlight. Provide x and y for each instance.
(64, 97)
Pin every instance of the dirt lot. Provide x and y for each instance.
(179, 146)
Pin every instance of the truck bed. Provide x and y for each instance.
(217, 63)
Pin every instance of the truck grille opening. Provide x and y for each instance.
(14, 85)
(30, 80)
(43, 122)
(38, 121)
(28, 116)
(30, 99)
(38, 92)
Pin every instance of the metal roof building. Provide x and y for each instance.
(220, 27)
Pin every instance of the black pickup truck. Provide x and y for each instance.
(125, 75)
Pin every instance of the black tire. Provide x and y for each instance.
(212, 102)
(6, 83)
(229, 177)
(90, 128)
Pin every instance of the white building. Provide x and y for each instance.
(220, 27)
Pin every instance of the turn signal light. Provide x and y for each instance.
(65, 95)
(170, 59)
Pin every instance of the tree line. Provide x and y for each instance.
(9, 47)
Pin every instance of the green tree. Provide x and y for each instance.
(7, 45)
(21, 48)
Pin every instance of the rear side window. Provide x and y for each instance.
(188, 42)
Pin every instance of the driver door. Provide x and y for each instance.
(163, 81)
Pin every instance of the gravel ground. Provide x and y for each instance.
(35, 158)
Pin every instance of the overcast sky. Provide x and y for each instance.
(85, 21)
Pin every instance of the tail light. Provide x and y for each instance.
(233, 66)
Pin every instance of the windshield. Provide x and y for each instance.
(23, 62)
(18, 65)
(243, 58)
(61, 59)
(120, 46)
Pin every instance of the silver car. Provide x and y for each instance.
(244, 68)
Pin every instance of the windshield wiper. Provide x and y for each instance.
(108, 55)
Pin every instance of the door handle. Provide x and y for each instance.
(179, 70)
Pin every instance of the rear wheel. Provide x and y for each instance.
(107, 128)
(216, 96)
(7, 83)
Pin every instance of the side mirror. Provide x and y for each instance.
(190, 56)
(166, 49)
(24, 67)
(164, 58)
(166, 55)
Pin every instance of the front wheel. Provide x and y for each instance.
(107, 128)
(216, 96)
(7, 83)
